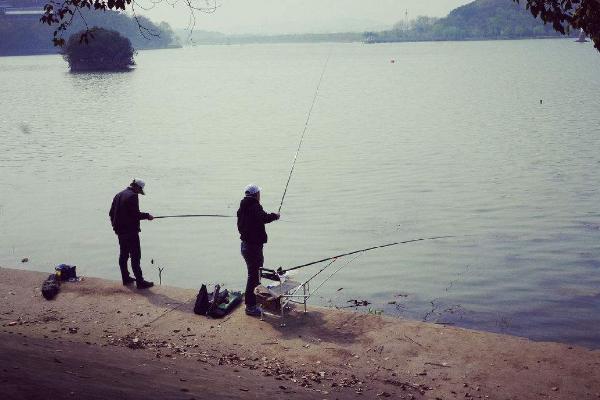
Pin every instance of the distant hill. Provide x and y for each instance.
(479, 20)
(24, 34)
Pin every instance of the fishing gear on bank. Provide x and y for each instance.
(125, 217)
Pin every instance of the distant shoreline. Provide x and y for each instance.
(58, 53)
(474, 39)
(377, 42)
(319, 42)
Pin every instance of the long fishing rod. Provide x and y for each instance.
(281, 271)
(194, 215)
(304, 131)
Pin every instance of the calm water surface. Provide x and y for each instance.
(451, 139)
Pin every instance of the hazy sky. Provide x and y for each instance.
(293, 16)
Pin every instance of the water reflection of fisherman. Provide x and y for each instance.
(125, 218)
(251, 220)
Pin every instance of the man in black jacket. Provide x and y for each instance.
(125, 218)
(251, 220)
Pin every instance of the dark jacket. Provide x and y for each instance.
(125, 212)
(251, 220)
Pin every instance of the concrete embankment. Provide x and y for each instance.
(100, 340)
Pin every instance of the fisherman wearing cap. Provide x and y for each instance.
(125, 218)
(251, 220)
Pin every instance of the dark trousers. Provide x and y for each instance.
(253, 255)
(129, 246)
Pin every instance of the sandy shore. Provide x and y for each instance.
(100, 340)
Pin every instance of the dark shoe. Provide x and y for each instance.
(254, 311)
(128, 281)
(144, 284)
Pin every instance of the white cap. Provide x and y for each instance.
(139, 183)
(251, 189)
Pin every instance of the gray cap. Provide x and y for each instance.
(251, 189)
(140, 184)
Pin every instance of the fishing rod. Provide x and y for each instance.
(203, 215)
(281, 271)
(194, 215)
(303, 132)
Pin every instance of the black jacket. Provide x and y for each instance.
(251, 220)
(125, 212)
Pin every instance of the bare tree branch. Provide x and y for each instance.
(62, 13)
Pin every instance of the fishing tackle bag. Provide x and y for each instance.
(51, 287)
(66, 272)
(216, 304)
(227, 302)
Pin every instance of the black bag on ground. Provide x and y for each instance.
(50, 287)
(201, 306)
(66, 271)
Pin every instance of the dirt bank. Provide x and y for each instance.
(99, 339)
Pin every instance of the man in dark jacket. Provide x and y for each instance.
(125, 218)
(251, 220)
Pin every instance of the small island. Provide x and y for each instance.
(105, 50)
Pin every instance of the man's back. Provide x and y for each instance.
(251, 224)
(125, 212)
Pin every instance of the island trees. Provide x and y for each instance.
(108, 51)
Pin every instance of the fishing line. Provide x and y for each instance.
(304, 131)
(336, 271)
(205, 215)
(326, 279)
(282, 271)
(194, 215)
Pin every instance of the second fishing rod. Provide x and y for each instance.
(312, 105)
(272, 273)
(195, 216)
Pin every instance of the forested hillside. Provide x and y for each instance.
(25, 34)
(479, 20)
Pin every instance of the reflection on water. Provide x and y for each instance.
(449, 140)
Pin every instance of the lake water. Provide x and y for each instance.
(450, 139)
